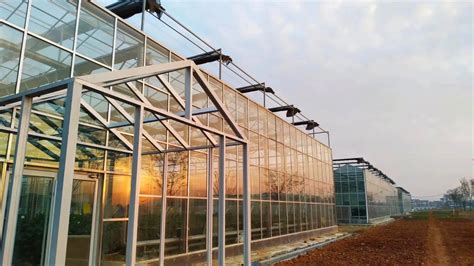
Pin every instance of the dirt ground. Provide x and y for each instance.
(438, 238)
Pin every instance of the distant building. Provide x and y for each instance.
(422, 205)
(364, 194)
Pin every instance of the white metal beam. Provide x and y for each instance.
(101, 120)
(247, 207)
(181, 103)
(221, 247)
(126, 75)
(164, 193)
(210, 206)
(15, 184)
(58, 235)
(131, 248)
(217, 102)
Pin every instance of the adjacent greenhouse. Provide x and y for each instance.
(404, 200)
(114, 150)
(364, 194)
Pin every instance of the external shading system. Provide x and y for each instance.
(291, 110)
(310, 124)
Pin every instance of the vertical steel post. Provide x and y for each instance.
(210, 206)
(366, 202)
(163, 209)
(247, 209)
(58, 234)
(221, 256)
(143, 15)
(188, 87)
(14, 188)
(135, 187)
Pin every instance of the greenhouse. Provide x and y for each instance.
(116, 150)
(364, 194)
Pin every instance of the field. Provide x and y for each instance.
(428, 238)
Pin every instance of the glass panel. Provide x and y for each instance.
(266, 219)
(197, 224)
(177, 184)
(275, 218)
(9, 56)
(80, 222)
(283, 218)
(156, 54)
(129, 47)
(54, 20)
(156, 97)
(175, 226)
(256, 220)
(95, 35)
(114, 239)
(43, 64)
(149, 228)
(198, 174)
(33, 220)
(291, 217)
(14, 12)
(231, 222)
(117, 196)
(151, 175)
(86, 67)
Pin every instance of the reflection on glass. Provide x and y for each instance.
(149, 228)
(9, 56)
(54, 20)
(275, 218)
(43, 64)
(175, 226)
(256, 220)
(86, 67)
(95, 35)
(283, 218)
(197, 224)
(151, 178)
(117, 195)
(198, 174)
(129, 47)
(231, 222)
(266, 219)
(33, 220)
(114, 239)
(177, 184)
(14, 11)
(80, 222)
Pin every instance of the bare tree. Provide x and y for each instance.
(465, 191)
(455, 196)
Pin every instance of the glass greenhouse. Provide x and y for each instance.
(115, 150)
(364, 194)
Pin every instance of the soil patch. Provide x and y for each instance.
(425, 239)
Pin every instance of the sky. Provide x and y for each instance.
(391, 81)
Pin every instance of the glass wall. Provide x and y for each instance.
(351, 204)
(404, 201)
(363, 196)
(291, 175)
(382, 197)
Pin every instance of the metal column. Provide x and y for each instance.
(163, 209)
(247, 207)
(15, 184)
(210, 206)
(58, 234)
(135, 187)
(188, 93)
(221, 255)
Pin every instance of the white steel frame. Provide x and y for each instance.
(100, 83)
